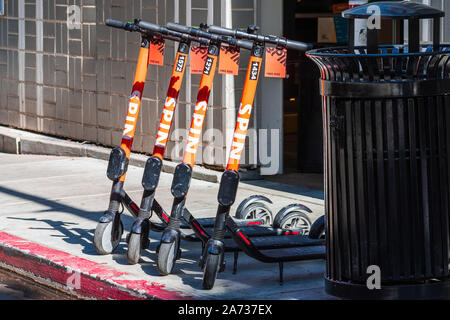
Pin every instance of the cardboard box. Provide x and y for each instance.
(326, 32)
(332, 30)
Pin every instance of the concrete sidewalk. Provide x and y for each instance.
(56, 202)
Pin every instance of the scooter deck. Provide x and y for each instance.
(295, 254)
(276, 242)
(208, 223)
(253, 231)
(259, 231)
(277, 249)
(262, 237)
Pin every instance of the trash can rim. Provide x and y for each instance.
(321, 52)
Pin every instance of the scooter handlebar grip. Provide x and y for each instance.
(149, 26)
(299, 46)
(178, 27)
(115, 23)
(221, 30)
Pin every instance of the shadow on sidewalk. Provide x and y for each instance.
(51, 204)
(71, 234)
(68, 230)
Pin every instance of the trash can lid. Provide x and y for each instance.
(394, 10)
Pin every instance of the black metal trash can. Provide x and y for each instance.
(386, 118)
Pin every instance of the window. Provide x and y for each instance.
(2, 7)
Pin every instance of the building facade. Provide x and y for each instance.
(75, 83)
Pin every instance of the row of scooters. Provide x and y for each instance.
(289, 236)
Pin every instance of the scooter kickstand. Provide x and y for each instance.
(235, 262)
(280, 264)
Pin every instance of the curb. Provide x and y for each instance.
(24, 142)
(57, 268)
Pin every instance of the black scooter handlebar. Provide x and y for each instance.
(279, 41)
(204, 34)
(147, 27)
(122, 25)
(180, 28)
(224, 31)
(170, 34)
(115, 23)
(150, 26)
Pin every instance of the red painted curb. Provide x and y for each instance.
(96, 280)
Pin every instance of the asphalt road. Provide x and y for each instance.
(16, 287)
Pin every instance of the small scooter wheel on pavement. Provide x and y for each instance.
(210, 271)
(103, 240)
(318, 229)
(166, 257)
(134, 248)
(256, 210)
(293, 217)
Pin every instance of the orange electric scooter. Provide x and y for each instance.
(265, 249)
(139, 236)
(110, 229)
(169, 248)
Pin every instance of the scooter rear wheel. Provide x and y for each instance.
(166, 257)
(210, 271)
(293, 220)
(134, 248)
(256, 210)
(103, 242)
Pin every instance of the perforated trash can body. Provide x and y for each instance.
(386, 118)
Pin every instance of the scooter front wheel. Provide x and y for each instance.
(167, 255)
(104, 242)
(210, 270)
(318, 229)
(134, 248)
